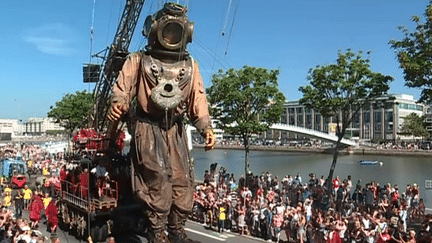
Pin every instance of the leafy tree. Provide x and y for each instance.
(242, 99)
(414, 53)
(415, 126)
(73, 110)
(340, 90)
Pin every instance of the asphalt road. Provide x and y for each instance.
(195, 231)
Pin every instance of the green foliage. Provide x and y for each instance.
(414, 53)
(73, 110)
(243, 99)
(414, 125)
(343, 87)
(340, 90)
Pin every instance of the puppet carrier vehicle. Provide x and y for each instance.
(14, 172)
(100, 202)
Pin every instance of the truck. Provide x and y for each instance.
(14, 172)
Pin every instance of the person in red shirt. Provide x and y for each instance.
(51, 213)
(271, 195)
(384, 236)
(259, 192)
(336, 184)
(84, 182)
(35, 207)
(63, 173)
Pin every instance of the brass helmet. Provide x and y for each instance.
(168, 29)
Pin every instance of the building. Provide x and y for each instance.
(381, 120)
(197, 138)
(9, 128)
(38, 126)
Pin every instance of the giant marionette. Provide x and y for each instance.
(167, 85)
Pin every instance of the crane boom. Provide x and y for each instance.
(115, 56)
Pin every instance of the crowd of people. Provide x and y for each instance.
(23, 209)
(266, 206)
(263, 206)
(39, 197)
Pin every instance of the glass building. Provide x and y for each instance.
(381, 119)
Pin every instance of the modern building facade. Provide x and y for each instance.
(38, 126)
(382, 119)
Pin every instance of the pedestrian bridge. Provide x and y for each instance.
(312, 133)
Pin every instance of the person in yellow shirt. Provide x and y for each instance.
(45, 171)
(46, 200)
(7, 191)
(27, 195)
(222, 217)
(29, 164)
(7, 201)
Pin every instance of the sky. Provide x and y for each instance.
(44, 43)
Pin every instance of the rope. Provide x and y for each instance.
(109, 22)
(216, 58)
(91, 39)
(226, 19)
(232, 27)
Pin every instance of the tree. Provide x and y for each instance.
(245, 102)
(415, 126)
(73, 110)
(414, 53)
(340, 90)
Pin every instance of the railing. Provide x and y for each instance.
(303, 130)
(75, 194)
(81, 196)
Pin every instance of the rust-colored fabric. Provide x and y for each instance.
(132, 82)
(163, 171)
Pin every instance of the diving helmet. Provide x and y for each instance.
(168, 29)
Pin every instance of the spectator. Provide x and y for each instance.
(19, 203)
(51, 212)
(27, 196)
(35, 208)
(222, 217)
(367, 216)
(84, 183)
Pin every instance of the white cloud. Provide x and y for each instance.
(54, 39)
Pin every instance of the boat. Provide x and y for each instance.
(370, 162)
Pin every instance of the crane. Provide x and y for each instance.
(86, 210)
(114, 57)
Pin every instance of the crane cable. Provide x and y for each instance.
(91, 39)
(109, 23)
(232, 27)
(226, 18)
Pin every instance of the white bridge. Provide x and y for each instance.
(312, 133)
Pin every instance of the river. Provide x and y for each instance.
(400, 170)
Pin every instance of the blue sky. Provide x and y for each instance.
(44, 43)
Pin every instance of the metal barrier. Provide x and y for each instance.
(81, 196)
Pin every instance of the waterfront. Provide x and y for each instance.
(400, 169)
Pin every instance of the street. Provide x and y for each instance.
(195, 231)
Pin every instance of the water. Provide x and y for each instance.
(400, 170)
